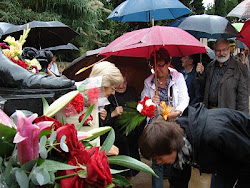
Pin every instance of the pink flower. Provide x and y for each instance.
(27, 136)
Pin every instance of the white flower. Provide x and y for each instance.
(139, 107)
(149, 102)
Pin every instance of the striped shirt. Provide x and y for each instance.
(215, 83)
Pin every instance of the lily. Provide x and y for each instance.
(5, 120)
(27, 136)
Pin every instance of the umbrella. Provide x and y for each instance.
(141, 43)
(4, 26)
(206, 26)
(43, 34)
(62, 48)
(245, 33)
(147, 10)
(137, 68)
(242, 10)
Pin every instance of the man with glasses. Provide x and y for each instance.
(226, 86)
(225, 80)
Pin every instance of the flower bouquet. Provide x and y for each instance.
(42, 151)
(12, 49)
(135, 113)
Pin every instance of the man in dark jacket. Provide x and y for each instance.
(213, 140)
(225, 80)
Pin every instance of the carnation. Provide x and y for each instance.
(139, 107)
(149, 102)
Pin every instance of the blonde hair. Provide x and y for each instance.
(111, 75)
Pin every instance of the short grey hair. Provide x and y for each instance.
(111, 75)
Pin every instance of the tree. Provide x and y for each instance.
(195, 5)
(220, 8)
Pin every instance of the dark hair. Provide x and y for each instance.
(161, 137)
(161, 54)
(195, 58)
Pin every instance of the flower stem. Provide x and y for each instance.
(65, 176)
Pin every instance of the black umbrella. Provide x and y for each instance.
(62, 48)
(206, 26)
(43, 34)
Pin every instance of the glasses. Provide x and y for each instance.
(113, 88)
(222, 50)
(159, 65)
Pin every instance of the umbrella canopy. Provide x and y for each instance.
(145, 10)
(62, 48)
(245, 33)
(206, 26)
(4, 26)
(141, 43)
(43, 34)
(238, 26)
(242, 10)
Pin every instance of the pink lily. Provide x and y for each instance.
(83, 135)
(27, 136)
(5, 120)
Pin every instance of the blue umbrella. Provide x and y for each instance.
(148, 10)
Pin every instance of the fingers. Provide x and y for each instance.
(119, 110)
(103, 114)
(156, 99)
(199, 68)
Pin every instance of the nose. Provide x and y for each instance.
(158, 161)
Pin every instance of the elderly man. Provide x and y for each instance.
(225, 80)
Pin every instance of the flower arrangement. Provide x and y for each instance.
(42, 151)
(12, 49)
(135, 113)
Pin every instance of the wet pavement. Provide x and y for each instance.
(143, 180)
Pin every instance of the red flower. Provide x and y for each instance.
(88, 120)
(4, 45)
(78, 103)
(93, 95)
(20, 63)
(70, 132)
(56, 123)
(74, 181)
(98, 170)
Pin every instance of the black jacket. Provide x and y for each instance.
(220, 139)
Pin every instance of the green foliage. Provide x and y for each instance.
(220, 8)
(130, 118)
(6, 140)
(120, 180)
(109, 141)
(131, 163)
(86, 115)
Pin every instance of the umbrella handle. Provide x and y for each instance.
(156, 88)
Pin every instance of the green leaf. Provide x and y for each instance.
(28, 166)
(22, 179)
(110, 186)
(44, 133)
(109, 141)
(86, 115)
(82, 173)
(43, 152)
(51, 165)
(52, 138)
(131, 163)
(114, 171)
(121, 180)
(39, 179)
(63, 146)
(45, 104)
(58, 104)
(98, 132)
(7, 135)
(42, 141)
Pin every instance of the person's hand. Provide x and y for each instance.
(199, 68)
(117, 112)
(174, 114)
(103, 114)
(156, 99)
(113, 151)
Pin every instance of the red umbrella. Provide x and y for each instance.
(245, 33)
(141, 43)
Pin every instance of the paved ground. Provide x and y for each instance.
(143, 180)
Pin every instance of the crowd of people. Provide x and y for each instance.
(208, 127)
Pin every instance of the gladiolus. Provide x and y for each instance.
(27, 136)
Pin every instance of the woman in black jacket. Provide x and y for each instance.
(213, 140)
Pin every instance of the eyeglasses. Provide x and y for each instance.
(222, 50)
(159, 65)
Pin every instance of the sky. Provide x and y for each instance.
(206, 2)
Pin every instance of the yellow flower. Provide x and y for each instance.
(34, 62)
(10, 40)
(6, 52)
